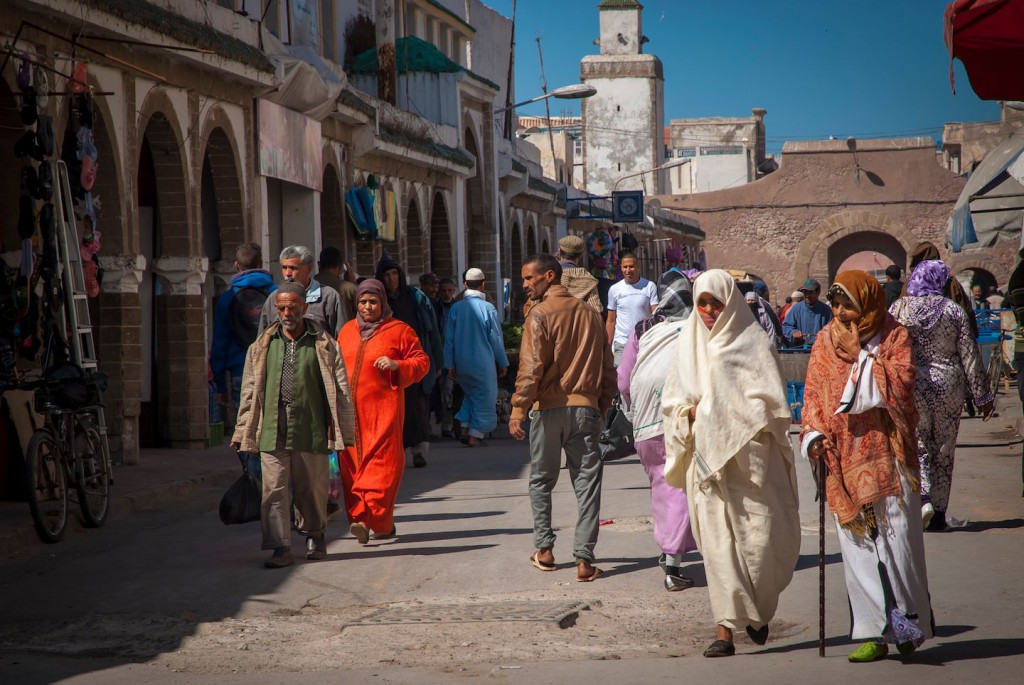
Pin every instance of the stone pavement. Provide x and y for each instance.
(169, 595)
(162, 478)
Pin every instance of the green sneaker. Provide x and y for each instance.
(869, 651)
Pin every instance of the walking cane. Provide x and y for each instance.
(821, 557)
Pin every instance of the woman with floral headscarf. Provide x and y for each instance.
(727, 445)
(948, 365)
(860, 420)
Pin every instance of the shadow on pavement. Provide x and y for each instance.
(456, 534)
(978, 526)
(371, 552)
(811, 560)
(945, 652)
(444, 517)
(952, 631)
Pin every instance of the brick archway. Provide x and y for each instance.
(965, 261)
(442, 254)
(812, 258)
(173, 306)
(416, 260)
(332, 212)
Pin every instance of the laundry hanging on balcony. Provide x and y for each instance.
(372, 208)
(359, 206)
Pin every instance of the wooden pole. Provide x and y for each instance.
(821, 557)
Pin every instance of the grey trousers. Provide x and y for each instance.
(574, 429)
(309, 474)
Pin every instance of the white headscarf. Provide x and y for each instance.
(732, 374)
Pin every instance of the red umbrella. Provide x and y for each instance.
(988, 37)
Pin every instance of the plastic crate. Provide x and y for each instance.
(795, 397)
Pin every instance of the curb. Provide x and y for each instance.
(149, 498)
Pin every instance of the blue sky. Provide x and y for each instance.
(869, 68)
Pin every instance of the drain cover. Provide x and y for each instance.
(562, 613)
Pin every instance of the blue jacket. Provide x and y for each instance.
(807, 320)
(225, 352)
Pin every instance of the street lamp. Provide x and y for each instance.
(667, 165)
(576, 91)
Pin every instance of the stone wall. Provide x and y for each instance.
(782, 227)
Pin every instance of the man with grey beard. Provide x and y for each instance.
(295, 408)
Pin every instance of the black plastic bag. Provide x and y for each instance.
(242, 502)
(616, 440)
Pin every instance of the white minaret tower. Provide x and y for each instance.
(623, 122)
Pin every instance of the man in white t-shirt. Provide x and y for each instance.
(630, 301)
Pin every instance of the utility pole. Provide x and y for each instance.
(547, 112)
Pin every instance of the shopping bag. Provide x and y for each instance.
(242, 501)
(334, 484)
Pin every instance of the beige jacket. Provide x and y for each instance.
(565, 359)
(254, 386)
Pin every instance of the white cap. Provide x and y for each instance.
(797, 295)
(474, 274)
(751, 296)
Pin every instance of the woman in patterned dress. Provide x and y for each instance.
(870, 452)
(948, 365)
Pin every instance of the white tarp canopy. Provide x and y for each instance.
(306, 83)
(991, 206)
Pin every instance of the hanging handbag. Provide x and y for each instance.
(616, 440)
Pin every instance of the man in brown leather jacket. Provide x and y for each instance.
(567, 396)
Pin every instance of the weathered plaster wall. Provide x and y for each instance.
(782, 226)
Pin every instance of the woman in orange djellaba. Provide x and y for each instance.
(383, 356)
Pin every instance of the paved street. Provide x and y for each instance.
(172, 596)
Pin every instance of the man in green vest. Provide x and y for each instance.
(295, 408)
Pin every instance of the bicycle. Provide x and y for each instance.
(991, 337)
(67, 447)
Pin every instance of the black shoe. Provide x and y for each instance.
(720, 648)
(938, 522)
(675, 580)
(282, 557)
(316, 548)
(759, 636)
(418, 462)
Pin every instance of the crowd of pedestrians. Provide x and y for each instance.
(358, 369)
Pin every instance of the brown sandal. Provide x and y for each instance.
(594, 574)
(542, 565)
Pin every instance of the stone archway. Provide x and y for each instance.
(115, 312)
(531, 241)
(516, 251)
(10, 180)
(812, 258)
(174, 413)
(869, 251)
(332, 211)
(442, 254)
(416, 260)
(976, 263)
(481, 238)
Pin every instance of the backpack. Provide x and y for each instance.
(244, 317)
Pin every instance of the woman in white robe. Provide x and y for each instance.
(726, 432)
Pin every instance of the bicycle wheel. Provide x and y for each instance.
(92, 476)
(47, 486)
